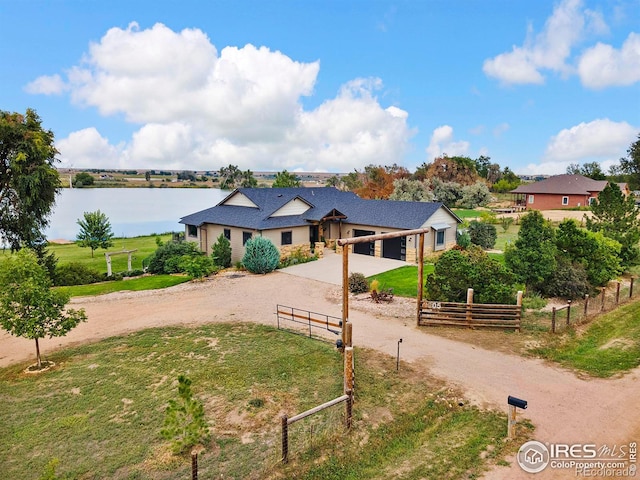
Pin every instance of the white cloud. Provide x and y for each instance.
(46, 85)
(200, 109)
(603, 66)
(599, 138)
(548, 50)
(88, 148)
(442, 143)
(602, 140)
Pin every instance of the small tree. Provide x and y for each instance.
(221, 252)
(261, 255)
(95, 231)
(184, 422)
(482, 234)
(28, 306)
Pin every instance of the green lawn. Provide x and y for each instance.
(403, 280)
(153, 282)
(100, 409)
(611, 344)
(145, 246)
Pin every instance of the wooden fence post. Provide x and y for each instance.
(469, 307)
(285, 439)
(586, 305)
(348, 369)
(349, 416)
(631, 287)
(420, 276)
(519, 304)
(568, 312)
(553, 320)
(511, 430)
(618, 292)
(194, 465)
(603, 290)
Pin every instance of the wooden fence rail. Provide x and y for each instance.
(471, 315)
(306, 322)
(582, 310)
(286, 421)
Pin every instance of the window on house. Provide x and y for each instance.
(440, 239)
(591, 200)
(531, 198)
(192, 230)
(246, 236)
(565, 200)
(227, 233)
(286, 238)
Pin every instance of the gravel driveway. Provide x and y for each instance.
(563, 407)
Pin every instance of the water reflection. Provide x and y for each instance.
(131, 211)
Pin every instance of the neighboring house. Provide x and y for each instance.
(295, 218)
(561, 191)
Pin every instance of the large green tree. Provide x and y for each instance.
(616, 216)
(532, 257)
(29, 307)
(590, 169)
(285, 179)
(95, 231)
(29, 181)
(456, 271)
(599, 255)
(630, 164)
(229, 176)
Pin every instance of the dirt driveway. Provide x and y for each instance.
(563, 407)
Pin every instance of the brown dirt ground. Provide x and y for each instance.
(562, 406)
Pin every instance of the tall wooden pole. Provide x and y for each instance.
(420, 275)
(345, 291)
(511, 427)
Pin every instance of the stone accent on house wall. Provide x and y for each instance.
(411, 255)
(339, 248)
(287, 250)
(318, 249)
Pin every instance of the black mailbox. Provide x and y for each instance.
(517, 402)
(339, 343)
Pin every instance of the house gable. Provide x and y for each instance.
(297, 206)
(239, 199)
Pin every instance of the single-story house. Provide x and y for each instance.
(304, 217)
(561, 191)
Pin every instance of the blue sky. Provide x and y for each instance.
(326, 85)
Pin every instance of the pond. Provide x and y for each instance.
(131, 211)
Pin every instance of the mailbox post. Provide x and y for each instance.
(513, 404)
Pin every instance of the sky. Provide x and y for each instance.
(326, 86)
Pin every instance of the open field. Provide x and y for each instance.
(72, 252)
(99, 411)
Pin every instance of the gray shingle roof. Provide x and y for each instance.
(380, 213)
(563, 185)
